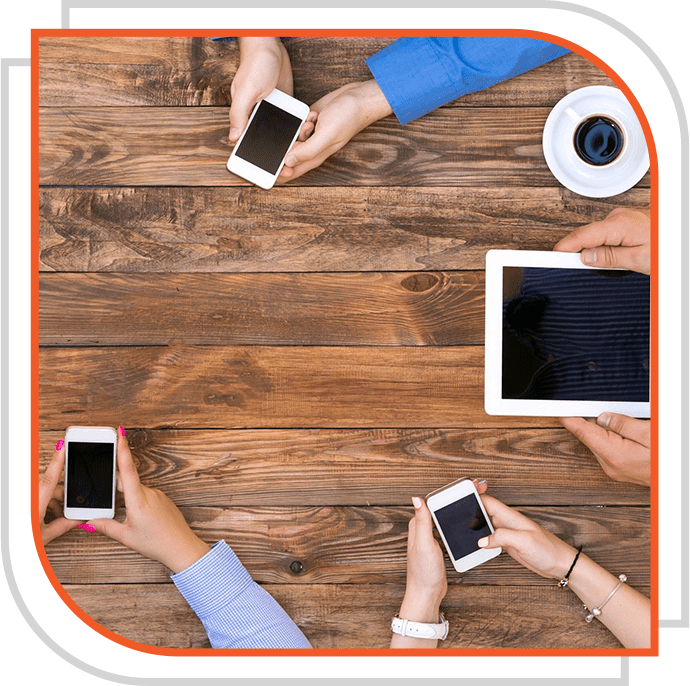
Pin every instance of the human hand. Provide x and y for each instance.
(621, 240)
(621, 444)
(154, 527)
(525, 541)
(51, 495)
(340, 115)
(264, 65)
(426, 569)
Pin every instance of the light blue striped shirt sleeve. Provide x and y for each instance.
(417, 75)
(235, 611)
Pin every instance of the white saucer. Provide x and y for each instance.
(565, 164)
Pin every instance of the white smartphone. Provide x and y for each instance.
(461, 519)
(90, 461)
(273, 127)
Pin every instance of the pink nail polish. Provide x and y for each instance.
(86, 526)
(59, 444)
(122, 431)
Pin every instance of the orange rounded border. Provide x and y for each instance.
(654, 350)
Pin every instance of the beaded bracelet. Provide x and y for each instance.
(564, 581)
(596, 611)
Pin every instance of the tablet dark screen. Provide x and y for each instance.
(575, 334)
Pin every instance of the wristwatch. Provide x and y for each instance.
(404, 627)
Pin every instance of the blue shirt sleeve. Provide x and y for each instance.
(417, 75)
(235, 611)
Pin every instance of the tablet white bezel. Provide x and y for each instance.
(250, 171)
(494, 403)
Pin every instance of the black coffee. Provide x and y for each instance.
(598, 140)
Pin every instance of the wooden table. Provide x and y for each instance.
(293, 365)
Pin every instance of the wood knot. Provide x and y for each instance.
(296, 567)
(419, 282)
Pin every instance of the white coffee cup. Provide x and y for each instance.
(599, 175)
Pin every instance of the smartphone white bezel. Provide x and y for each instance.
(250, 171)
(452, 493)
(494, 403)
(90, 434)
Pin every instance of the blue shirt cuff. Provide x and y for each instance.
(213, 580)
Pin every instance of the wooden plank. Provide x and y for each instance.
(366, 467)
(267, 387)
(350, 545)
(178, 71)
(266, 309)
(332, 616)
(182, 146)
(304, 229)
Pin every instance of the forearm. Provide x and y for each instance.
(626, 615)
(235, 611)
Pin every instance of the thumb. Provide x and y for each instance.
(611, 257)
(504, 538)
(110, 528)
(240, 109)
(312, 149)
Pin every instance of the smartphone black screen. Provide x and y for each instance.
(90, 475)
(268, 137)
(463, 524)
(575, 334)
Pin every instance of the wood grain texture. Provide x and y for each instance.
(350, 545)
(179, 71)
(266, 387)
(331, 616)
(209, 468)
(399, 309)
(182, 146)
(304, 229)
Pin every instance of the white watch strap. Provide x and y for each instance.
(404, 627)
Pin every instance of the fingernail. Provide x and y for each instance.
(122, 431)
(604, 420)
(86, 526)
(589, 256)
(417, 502)
(483, 542)
(291, 160)
(234, 134)
(59, 444)
(483, 481)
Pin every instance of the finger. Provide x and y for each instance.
(55, 507)
(240, 109)
(57, 528)
(49, 480)
(595, 437)
(637, 430)
(307, 151)
(606, 232)
(110, 528)
(615, 258)
(308, 127)
(503, 516)
(505, 538)
(129, 478)
(481, 486)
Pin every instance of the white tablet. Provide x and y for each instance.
(563, 339)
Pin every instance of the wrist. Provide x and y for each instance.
(423, 606)
(564, 560)
(373, 100)
(187, 555)
(250, 44)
